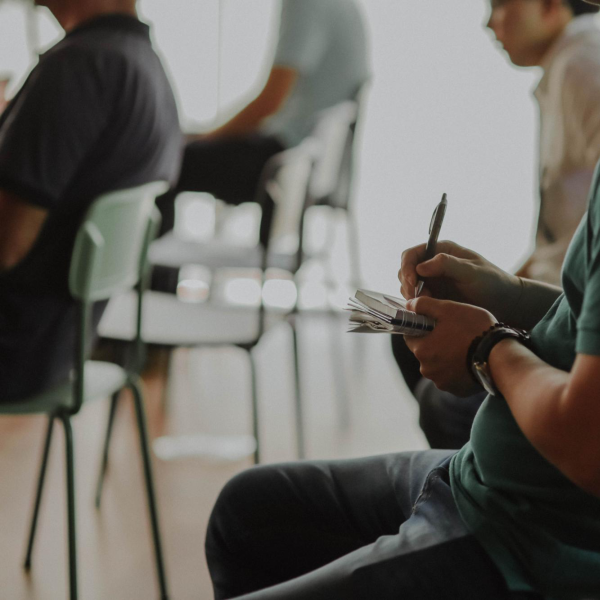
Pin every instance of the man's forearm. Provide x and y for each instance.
(275, 93)
(245, 122)
(533, 303)
(539, 398)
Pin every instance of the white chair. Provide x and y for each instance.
(168, 321)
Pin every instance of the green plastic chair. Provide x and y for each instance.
(108, 257)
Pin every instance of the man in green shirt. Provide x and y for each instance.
(514, 514)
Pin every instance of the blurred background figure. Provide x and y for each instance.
(4, 81)
(73, 131)
(320, 60)
(563, 38)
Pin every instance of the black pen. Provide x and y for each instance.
(434, 232)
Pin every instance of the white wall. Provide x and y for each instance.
(446, 113)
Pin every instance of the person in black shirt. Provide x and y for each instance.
(95, 115)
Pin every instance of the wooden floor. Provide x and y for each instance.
(208, 392)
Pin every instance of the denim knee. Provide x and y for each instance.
(238, 504)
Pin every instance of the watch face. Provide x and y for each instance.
(483, 375)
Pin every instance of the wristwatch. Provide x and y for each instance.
(479, 353)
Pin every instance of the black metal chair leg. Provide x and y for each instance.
(300, 441)
(104, 464)
(143, 431)
(40, 487)
(71, 515)
(255, 428)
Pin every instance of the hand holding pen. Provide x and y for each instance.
(434, 232)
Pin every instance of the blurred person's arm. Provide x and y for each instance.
(4, 81)
(461, 275)
(277, 90)
(565, 203)
(566, 183)
(20, 225)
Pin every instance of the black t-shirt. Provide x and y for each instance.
(96, 114)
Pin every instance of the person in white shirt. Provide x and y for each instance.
(321, 59)
(563, 38)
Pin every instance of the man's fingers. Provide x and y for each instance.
(410, 259)
(444, 265)
(408, 292)
(425, 305)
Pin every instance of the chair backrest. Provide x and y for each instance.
(334, 132)
(111, 242)
(109, 256)
(284, 180)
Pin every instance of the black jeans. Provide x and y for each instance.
(382, 528)
(445, 419)
(228, 168)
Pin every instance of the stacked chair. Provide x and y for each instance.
(316, 173)
(170, 322)
(331, 187)
(109, 250)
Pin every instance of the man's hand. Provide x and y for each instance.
(443, 352)
(456, 273)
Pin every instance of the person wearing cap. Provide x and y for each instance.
(514, 514)
(563, 38)
(96, 114)
(321, 59)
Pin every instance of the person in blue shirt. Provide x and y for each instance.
(321, 59)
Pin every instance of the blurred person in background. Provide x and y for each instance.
(4, 81)
(563, 38)
(96, 114)
(320, 60)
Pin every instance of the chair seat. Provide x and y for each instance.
(102, 379)
(173, 251)
(171, 322)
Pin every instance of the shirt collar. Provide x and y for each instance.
(113, 21)
(577, 27)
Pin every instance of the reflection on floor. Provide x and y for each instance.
(208, 392)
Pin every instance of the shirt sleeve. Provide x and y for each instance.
(57, 117)
(580, 93)
(588, 323)
(302, 35)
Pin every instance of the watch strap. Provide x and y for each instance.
(481, 347)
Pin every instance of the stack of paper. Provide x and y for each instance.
(372, 312)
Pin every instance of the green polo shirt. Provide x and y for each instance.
(541, 530)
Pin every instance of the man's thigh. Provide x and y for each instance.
(228, 168)
(277, 522)
(430, 557)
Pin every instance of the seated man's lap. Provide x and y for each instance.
(381, 525)
(228, 168)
